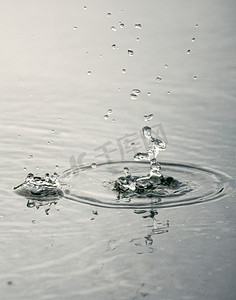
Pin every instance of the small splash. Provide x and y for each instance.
(34, 187)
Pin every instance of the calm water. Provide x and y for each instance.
(59, 76)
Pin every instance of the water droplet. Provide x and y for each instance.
(85, 7)
(126, 171)
(108, 14)
(137, 39)
(121, 25)
(113, 28)
(75, 27)
(130, 52)
(56, 166)
(196, 25)
(149, 93)
(188, 51)
(113, 120)
(132, 144)
(93, 165)
(158, 79)
(113, 46)
(195, 77)
(166, 66)
(147, 118)
(193, 39)
(147, 132)
(89, 72)
(25, 168)
(136, 91)
(141, 156)
(30, 156)
(168, 92)
(109, 111)
(123, 70)
(19, 136)
(106, 117)
(138, 26)
(53, 131)
(133, 96)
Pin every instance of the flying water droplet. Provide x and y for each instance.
(30, 156)
(141, 156)
(147, 132)
(93, 165)
(75, 27)
(106, 117)
(195, 77)
(130, 52)
(193, 39)
(158, 79)
(113, 28)
(109, 111)
(123, 70)
(168, 92)
(139, 26)
(188, 51)
(196, 25)
(137, 39)
(133, 96)
(89, 72)
(121, 25)
(147, 118)
(85, 7)
(149, 93)
(113, 46)
(108, 14)
(136, 91)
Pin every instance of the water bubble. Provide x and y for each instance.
(93, 165)
(123, 70)
(149, 93)
(89, 72)
(113, 28)
(147, 118)
(158, 79)
(133, 96)
(195, 77)
(193, 39)
(188, 51)
(109, 111)
(108, 14)
(139, 26)
(113, 46)
(130, 52)
(136, 91)
(121, 25)
(106, 117)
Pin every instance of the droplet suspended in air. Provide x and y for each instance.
(195, 77)
(196, 25)
(85, 7)
(130, 52)
(168, 92)
(158, 79)
(147, 132)
(123, 70)
(30, 156)
(113, 28)
(147, 118)
(149, 93)
(89, 72)
(137, 39)
(121, 25)
(113, 120)
(106, 117)
(133, 96)
(113, 46)
(188, 51)
(108, 14)
(109, 111)
(136, 91)
(193, 39)
(93, 165)
(139, 26)
(166, 66)
(75, 27)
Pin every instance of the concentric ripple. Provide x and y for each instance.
(193, 185)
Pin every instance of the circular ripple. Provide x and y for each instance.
(196, 185)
